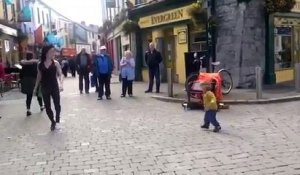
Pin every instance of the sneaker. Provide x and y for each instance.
(42, 108)
(130, 95)
(81, 92)
(87, 92)
(28, 113)
(148, 91)
(217, 129)
(205, 127)
(108, 98)
(100, 98)
(52, 128)
(122, 95)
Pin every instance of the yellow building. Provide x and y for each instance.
(169, 26)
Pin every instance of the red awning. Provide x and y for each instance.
(38, 35)
(68, 52)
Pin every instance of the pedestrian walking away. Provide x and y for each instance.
(83, 66)
(104, 65)
(153, 59)
(127, 64)
(210, 107)
(49, 72)
(72, 66)
(28, 76)
(65, 67)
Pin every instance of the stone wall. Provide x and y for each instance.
(241, 39)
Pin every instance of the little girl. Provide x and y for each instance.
(210, 107)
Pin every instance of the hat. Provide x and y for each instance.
(103, 48)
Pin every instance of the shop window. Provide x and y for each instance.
(197, 39)
(283, 47)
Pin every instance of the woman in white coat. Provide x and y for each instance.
(127, 73)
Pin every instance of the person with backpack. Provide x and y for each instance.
(104, 67)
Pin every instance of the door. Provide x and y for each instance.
(296, 46)
(170, 55)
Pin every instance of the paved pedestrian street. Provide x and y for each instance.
(142, 136)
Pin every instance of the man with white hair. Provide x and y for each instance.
(153, 59)
(104, 67)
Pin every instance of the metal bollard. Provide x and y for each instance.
(297, 77)
(258, 82)
(170, 83)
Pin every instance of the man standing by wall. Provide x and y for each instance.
(153, 59)
(83, 65)
(104, 66)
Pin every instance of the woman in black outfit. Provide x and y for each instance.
(28, 76)
(48, 72)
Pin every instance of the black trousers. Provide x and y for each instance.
(73, 72)
(126, 85)
(104, 80)
(29, 99)
(47, 94)
(84, 75)
(154, 72)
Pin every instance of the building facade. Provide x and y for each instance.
(9, 54)
(167, 24)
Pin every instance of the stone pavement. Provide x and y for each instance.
(271, 94)
(143, 136)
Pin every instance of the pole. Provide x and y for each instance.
(170, 82)
(297, 77)
(258, 82)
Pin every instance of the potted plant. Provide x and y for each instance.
(198, 14)
(130, 26)
(273, 6)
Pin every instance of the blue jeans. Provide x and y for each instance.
(210, 117)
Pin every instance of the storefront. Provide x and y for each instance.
(170, 28)
(8, 45)
(284, 46)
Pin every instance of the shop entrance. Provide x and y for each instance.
(169, 54)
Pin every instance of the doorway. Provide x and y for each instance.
(170, 52)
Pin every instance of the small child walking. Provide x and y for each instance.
(210, 107)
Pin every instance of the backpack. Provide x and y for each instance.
(102, 64)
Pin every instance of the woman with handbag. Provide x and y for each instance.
(28, 76)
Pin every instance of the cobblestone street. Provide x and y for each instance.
(143, 136)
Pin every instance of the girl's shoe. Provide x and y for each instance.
(217, 129)
(28, 113)
(53, 126)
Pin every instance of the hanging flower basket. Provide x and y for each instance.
(197, 13)
(130, 26)
(273, 6)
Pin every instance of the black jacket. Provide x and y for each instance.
(153, 59)
(78, 63)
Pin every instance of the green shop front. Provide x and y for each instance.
(283, 46)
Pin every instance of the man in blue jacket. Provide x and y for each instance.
(104, 67)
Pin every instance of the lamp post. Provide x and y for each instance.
(210, 33)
